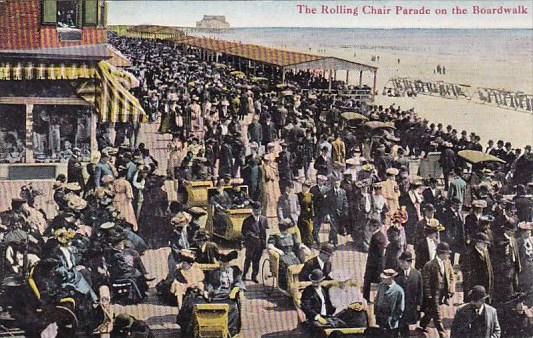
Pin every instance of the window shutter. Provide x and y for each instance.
(49, 12)
(90, 12)
(102, 13)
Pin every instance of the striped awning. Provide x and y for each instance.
(103, 85)
(46, 71)
(110, 95)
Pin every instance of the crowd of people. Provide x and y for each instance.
(305, 169)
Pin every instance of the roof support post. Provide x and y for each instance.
(347, 76)
(361, 78)
(374, 85)
(282, 75)
(29, 133)
(94, 144)
(330, 76)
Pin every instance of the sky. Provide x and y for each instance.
(280, 13)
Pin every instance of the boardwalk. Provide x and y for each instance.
(262, 315)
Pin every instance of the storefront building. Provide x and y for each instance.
(56, 85)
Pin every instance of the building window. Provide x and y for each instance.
(57, 130)
(12, 133)
(49, 12)
(68, 14)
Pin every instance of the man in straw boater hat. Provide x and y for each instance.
(439, 287)
(389, 304)
(476, 319)
(426, 248)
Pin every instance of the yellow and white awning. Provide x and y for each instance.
(104, 86)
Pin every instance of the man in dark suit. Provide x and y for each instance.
(523, 204)
(476, 265)
(321, 262)
(375, 260)
(472, 220)
(476, 319)
(448, 161)
(315, 301)
(319, 192)
(323, 165)
(453, 220)
(225, 164)
(337, 205)
(254, 235)
(426, 249)
(252, 177)
(255, 131)
(439, 287)
(410, 280)
(430, 193)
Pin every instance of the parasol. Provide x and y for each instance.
(238, 74)
(351, 116)
(285, 85)
(379, 125)
(259, 79)
(475, 157)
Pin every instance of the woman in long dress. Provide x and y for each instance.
(270, 191)
(123, 199)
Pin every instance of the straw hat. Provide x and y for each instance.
(367, 167)
(392, 171)
(76, 203)
(73, 186)
(388, 273)
(107, 179)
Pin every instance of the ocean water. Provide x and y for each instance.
(489, 44)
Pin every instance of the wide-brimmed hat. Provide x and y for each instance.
(107, 179)
(316, 275)
(73, 186)
(76, 203)
(479, 204)
(392, 171)
(196, 211)
(443, 247)
(187, 256)
(388, 273)
(322, 178)
(406, 256)
(478, 293)
(351, 161)
(63, 235)
(525, 225)
(434, 226)
(182, 218)
(367, 167)
(107, 225)
(481, 237)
